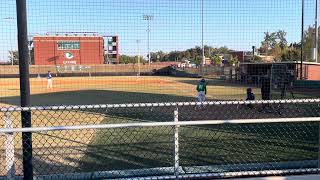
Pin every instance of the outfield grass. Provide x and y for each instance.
(142, 85)
(134, 148)
(124, 89)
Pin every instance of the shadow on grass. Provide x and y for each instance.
(299, 92)
(215, 82)
(132, 148)
(95, 97)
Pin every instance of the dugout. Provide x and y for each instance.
(252, 72)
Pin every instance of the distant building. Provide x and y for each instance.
(239, 54)
(244, 56)
(112, 50)
(208, 61)
(74, 49)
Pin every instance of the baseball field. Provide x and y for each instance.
(119, 89)
(136, 148)
(116, 89)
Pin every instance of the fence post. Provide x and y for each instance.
(176, 144)
(10, 169)
(318, 146)
(23, 47)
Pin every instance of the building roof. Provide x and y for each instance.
(282, 62)
(71, 34)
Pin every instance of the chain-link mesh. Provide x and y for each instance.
(101, 52)
(217, 53)
(132, 149)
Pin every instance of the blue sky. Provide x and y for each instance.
(237, 24)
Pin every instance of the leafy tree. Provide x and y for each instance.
(274, 43)
(197, 61)
(14, 57)
(159, 56)
(269, 42)
(257, 58)
(186, 55)
(217, 60)
(291, 54)
(281, 36)
(32, 56)
(308, 44)
(124, 59)
(223, 50)
(174, 55)
(233, 60)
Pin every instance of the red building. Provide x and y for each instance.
(72, 50)
(239, 54)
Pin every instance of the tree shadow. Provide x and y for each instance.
(117, 149)
(95, 97)
(215, 82)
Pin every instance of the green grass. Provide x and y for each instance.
(206, 145)
(136, 148)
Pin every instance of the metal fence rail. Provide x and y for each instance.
(165, 140)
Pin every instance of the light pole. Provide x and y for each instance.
(138, 41)
(302, 38)
(10, 19)
(253, 50)
(148, 18)
(202, 31)
(316, 33)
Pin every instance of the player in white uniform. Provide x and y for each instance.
(49, 77)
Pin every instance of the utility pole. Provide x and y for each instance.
(302, 38)
(24, 87)
(12, 57)
(10, 19)
(316, 33)
(148, 18)
(253, 50)
(138, 41)
(202, 32)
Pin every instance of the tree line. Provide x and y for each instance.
(273, 44)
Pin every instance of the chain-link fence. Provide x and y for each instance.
(125, 51)
(218, 53)
(165, 140)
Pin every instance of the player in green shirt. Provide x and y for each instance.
(202, 90)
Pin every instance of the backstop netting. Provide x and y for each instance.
(177, 89)
(122, 52)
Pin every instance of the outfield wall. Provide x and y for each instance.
(83, 70)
